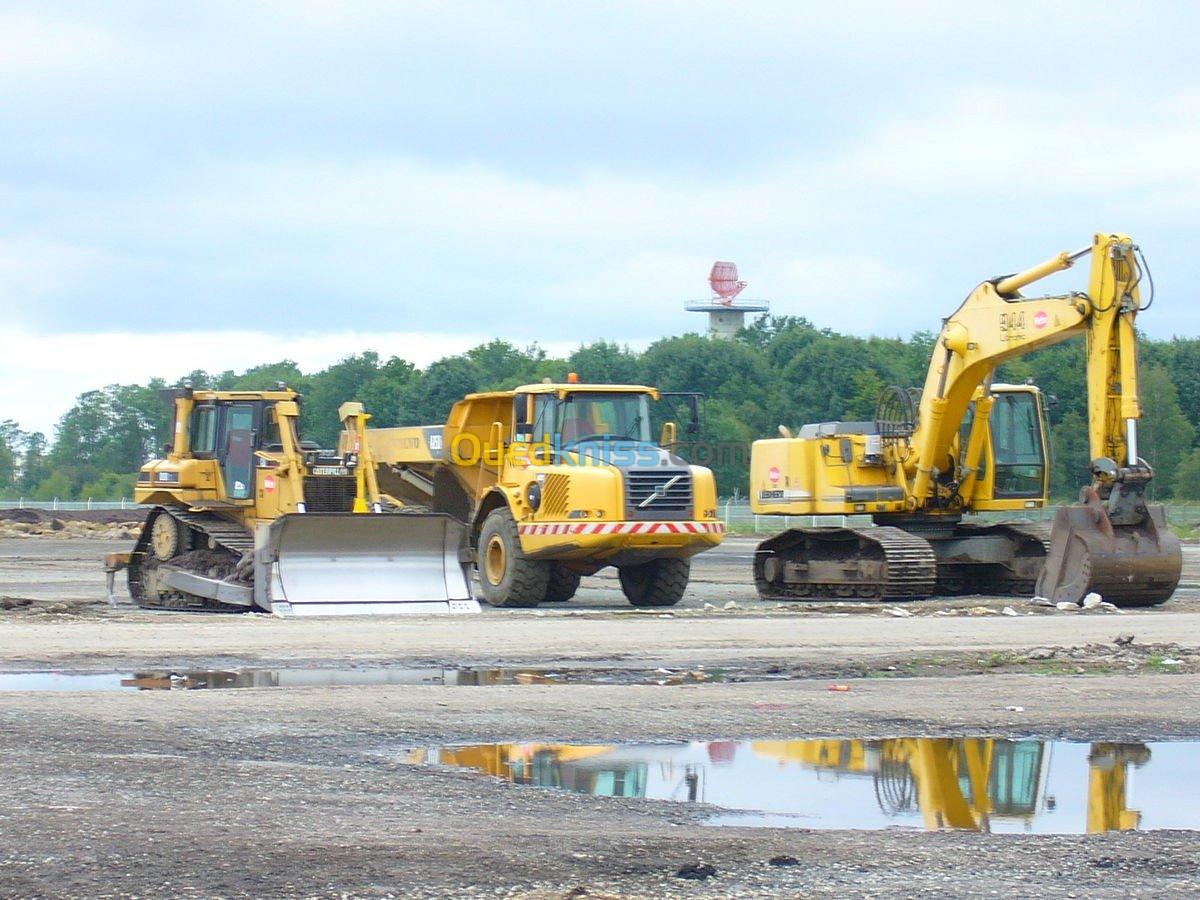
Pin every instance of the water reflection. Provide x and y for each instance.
(975, 784)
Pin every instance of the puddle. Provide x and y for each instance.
(978, 784)
(165, 679)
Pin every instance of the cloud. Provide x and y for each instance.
(372, 168)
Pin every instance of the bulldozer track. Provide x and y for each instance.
(207, 528)
(890, 564)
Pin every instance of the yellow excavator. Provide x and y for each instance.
(246, 515)
(965, 445)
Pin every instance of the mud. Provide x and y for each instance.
(307, 791)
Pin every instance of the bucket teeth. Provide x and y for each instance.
(1127, 565)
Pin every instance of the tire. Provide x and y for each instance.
(562, 585)
(506, 576)
(660, 582)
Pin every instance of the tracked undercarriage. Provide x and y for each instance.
(924, 558)
(192, 561)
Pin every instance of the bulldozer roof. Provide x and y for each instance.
(571, 388)
(285, 394)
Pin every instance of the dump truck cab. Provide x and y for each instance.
(557, 481)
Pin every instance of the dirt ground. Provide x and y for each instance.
(303, 792)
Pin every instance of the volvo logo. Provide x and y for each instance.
(659, 491)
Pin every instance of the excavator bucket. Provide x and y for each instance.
(1136, 564)
(363, 564)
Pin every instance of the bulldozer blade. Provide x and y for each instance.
(363, 564)
(1127, 565)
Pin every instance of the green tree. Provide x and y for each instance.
(1186, 483)
(56, 486)
(11, 438)
(1165, 436)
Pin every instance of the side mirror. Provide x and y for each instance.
(669, 436)
(693, 427)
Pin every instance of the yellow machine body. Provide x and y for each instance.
(969, 445)
(245, 515)
(573, 465)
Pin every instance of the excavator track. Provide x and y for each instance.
(1002, 558)
(883, 563)
(207, 545)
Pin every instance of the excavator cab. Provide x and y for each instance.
(1014, 463)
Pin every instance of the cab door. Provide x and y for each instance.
(236, 457)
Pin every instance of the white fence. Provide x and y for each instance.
(736, 514)
(67, 504)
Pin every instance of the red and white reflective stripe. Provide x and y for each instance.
(623, 528)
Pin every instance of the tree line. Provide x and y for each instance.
(779, 370)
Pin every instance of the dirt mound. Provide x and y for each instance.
(98, 516)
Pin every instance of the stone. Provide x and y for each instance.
(1092, 600)
(1065, 605)
(1041, 653)
(1124, 639)
(900, 613)
(1041, 601)
(732, 604)
(1009, 611)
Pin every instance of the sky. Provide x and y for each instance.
(216, 185)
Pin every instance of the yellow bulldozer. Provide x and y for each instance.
(244, 514)
(964, 444)
(556, 481)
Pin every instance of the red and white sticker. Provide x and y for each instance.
(1041, 319)
(622, 528)
(269, 484)
(774, 474)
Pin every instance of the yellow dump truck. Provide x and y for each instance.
(558, 481)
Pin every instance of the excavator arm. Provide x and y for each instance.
(1112, 542)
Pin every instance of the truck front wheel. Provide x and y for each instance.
(660, 582)
(506, 576)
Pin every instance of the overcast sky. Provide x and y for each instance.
(218, 184)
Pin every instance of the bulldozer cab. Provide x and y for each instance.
(234, 433)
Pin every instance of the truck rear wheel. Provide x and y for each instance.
(562, 584)
(506, 576)
(660, 582)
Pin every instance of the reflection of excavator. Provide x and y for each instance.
(244, 514)
(966, 783)
(968, 445)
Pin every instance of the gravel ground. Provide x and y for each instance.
(301, 792)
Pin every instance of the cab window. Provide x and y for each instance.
(1018, 446)
(204, 430)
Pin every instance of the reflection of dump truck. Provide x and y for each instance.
(244, 514)
(966, 445)
(557, 481)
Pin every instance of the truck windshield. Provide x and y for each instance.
(600, 416)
